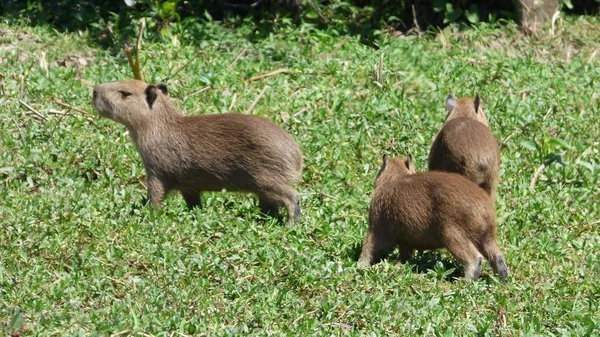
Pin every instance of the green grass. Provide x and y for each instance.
(81, 255)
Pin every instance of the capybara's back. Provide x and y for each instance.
(465, 145)
(431, 210)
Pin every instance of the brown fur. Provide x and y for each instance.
(431, 210)
(192, 154)
(465, 145)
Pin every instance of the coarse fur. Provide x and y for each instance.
(465, 144)
(192, 154)
(431, 210)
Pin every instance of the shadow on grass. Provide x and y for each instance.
(421, 262)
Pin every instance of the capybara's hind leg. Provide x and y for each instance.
(266, 206)
(405, 254)
(465, 251)
(492, 253)
(374, 246)
(286, 197)
(192, 199)
(157, 190)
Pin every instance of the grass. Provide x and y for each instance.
(81, 255)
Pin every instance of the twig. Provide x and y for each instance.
(301, 111)
(138, 45)
(417, 27)
(21, 86)
(593, 223)
(273, 73)
(238, 57)
(57, 124)
(539, 170)
(35, 112)
(185, 65)
(119, 333)
(88, 117)
(593, 55)
(61, 103)
(257, 99)
(233, 99)
(380, 70)
(19, 130)
(336, 48)
(200, 91)
(316, 8)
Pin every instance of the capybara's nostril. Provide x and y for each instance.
(95, 94)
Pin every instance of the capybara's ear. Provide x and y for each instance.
(476, 104)
(385, 160)
(162, 87)
(151, 95)
(450, 102)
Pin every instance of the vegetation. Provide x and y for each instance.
(82, 255)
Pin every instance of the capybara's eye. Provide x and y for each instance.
(125, 93)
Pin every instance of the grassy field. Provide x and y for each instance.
(80, 254)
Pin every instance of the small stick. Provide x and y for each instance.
(414, 12)
(257, 99)
(238, 57)
(35, 112)
(119, 333)
(63, 104)
(233, 99)
(200, 91)
(273, 73)
(336, 48)
(593, 55)
(185, 65)
(316, 8)
(138, 45)
(21, 86)
(593, 223)
(57, 124)
(19, 129)
(301, 111)
(538, 171)
(380, 71)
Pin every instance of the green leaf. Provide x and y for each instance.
(452, 14)
(557, 142)
(568, 3)
(16, 322)
(169, 7)
(529, 145)
(472, 14)
(438, 5)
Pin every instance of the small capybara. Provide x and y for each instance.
(192, 154)
(431, 210)
(465, 144)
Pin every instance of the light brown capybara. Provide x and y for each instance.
(465, 144)
(431, 210)
(192, 154)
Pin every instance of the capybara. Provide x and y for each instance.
(465, 144)
(431, 210)
(192, 154)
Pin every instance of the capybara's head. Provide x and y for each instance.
(468, 107)
(395, 167)
(129, 101)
